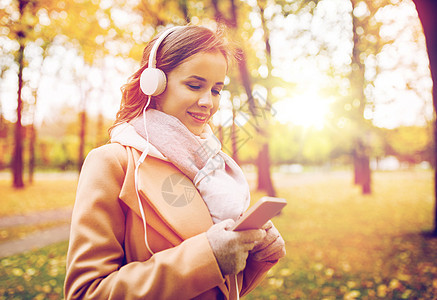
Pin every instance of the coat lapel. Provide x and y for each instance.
(173, 197)
(170, 198)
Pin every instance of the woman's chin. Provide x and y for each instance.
(196, 130)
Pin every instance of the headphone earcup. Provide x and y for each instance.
(153, 81)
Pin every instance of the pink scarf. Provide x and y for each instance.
(218, 178)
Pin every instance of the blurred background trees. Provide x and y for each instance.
(327, 84)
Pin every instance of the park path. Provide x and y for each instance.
(37, 239)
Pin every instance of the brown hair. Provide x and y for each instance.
(178, 46)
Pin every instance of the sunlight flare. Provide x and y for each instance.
(307, 110)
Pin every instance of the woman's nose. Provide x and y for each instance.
(206, 100)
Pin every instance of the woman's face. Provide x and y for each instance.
(193, 90)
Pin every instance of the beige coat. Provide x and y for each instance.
(107, 256)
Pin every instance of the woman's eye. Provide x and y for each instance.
(216, 92)
(194, 86)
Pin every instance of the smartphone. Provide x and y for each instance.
(262, 211)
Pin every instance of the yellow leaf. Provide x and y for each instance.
(31, 271)
(17, 272)
(329, 272)
(285, 272)
(394, 284)
(352, 295)
(318, 267)
(382, 291)
(46, 288)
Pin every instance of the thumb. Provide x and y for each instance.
(224, 225)
(227, 224)
(268, 225)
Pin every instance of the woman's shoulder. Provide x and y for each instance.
(109, 154)
(109, 149)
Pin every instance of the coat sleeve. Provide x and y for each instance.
(96, 267)
(254, 273)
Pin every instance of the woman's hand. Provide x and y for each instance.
(231, 248)
(271, 248)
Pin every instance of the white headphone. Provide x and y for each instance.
(152, 83)
(153, 80)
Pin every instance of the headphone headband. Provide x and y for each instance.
(153, 52)
(152, 80)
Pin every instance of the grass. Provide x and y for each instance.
(340, 244)
(34, 275)
(343, 245)
(41, 195)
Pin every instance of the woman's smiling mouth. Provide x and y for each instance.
(198, 117)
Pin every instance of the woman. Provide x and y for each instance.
(154, 207)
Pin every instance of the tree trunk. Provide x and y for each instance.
(366, 175)
(357, 169)
(100, 139)
(234, 137)
(183, 4)
(263, 168)
(362, 171)
(82, 130)
(435, 172)
(264, 178)
(17, 161)
(264, 175)
(361, 152)
(32, 139)
(220, 133)
(426, 10)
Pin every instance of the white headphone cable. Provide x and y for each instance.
(137, 165)
(236, 286)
